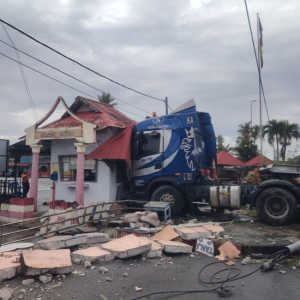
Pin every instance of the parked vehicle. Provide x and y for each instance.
(277, 201)
(172, 158)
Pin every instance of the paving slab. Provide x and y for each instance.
(175, 247)
(166, 234)
(92, 254)
(96, 237)
(127, 246)
(214, 229)
(193, 233)
(37, 262)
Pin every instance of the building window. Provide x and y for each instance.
(68, 168)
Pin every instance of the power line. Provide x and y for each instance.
(64, 83)
(23, 76)
(78, 63)
(262, 87)
(70, 75)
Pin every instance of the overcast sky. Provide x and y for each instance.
(198, 49)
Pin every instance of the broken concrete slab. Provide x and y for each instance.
(155, 251)
(150, 220)
(92, 254)
(194, 233)
(52, 243)
(75, 240)
(175, 247)
(37, 262)
(214, 229)
(9, 269)
(127, 246)
(96, 237)
(228, 251)
(45, 278)
(166, 234)
(6, 293)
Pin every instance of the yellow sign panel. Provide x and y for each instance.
(58, 134)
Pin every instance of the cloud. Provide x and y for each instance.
(179, 49)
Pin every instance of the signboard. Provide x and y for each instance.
(4, 155)
(58, 134)
(205, 246)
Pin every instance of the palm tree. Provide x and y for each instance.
(245, 149)
(107, 99)
(289, 131)
(255, 133)
(274, 130)
(245, 132)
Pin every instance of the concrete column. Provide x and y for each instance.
(80, 173)
(35, 173)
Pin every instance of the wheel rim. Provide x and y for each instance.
(276, 207)
(167, 198)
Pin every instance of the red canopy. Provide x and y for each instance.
(256, 161)
(117, 147)
(226, 159)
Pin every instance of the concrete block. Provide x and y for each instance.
(8, 269)
(76, 240)
(6, 293)
(175, 247)
(131, 218)
(193, 233)
(92, 254)
(127, 246)
(155, 251)
(8, 273)
(52, 243)
(214, 229)
(36, 262)
(148, 219)
(96, 237)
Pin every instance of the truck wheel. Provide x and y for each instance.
(166, 193)
(276, 206)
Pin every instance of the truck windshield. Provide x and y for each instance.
(149, 143)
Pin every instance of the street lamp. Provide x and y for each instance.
(251, 110)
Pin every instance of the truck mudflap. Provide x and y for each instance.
(228, 197)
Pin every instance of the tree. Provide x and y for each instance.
(255, 133)
(107, 99)
(274, 130)
(220, 146)
(245, 149)
(288, 132)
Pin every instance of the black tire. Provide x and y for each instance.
(169, 194)
(276, 206)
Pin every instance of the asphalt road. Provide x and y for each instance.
(181, 275)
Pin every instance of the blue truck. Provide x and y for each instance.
(171, 156)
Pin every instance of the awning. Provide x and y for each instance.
(117, 147)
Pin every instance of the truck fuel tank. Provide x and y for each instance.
(228, 197)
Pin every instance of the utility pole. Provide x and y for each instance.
(166, 101)
(251, 110)
(259, 83)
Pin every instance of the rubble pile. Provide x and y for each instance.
(141, 219)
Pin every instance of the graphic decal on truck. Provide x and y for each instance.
(187, 145)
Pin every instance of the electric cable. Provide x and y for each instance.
(262, 87)
(23, 76)
(69, 75)
(78, 63)
(65, 84)
(221, 282)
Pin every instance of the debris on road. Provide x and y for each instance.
(6, 293)
(92, 254)
(127, 246)
(103, 270)
(137, 289)
(28, 281)
(228, 250)
(166, 234)
(175, 247)
(45, 278)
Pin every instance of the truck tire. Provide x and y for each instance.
(170, 194)
(276, 206)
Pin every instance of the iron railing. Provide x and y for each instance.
(48, 217)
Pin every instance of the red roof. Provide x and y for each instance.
(100, 114)
(224, 158)
(256, 161)
(117, 147)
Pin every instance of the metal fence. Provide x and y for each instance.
(83, 219)
(10, 188)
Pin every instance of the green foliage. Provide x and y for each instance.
(220, 146)
(107, 99)
(245, 148)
